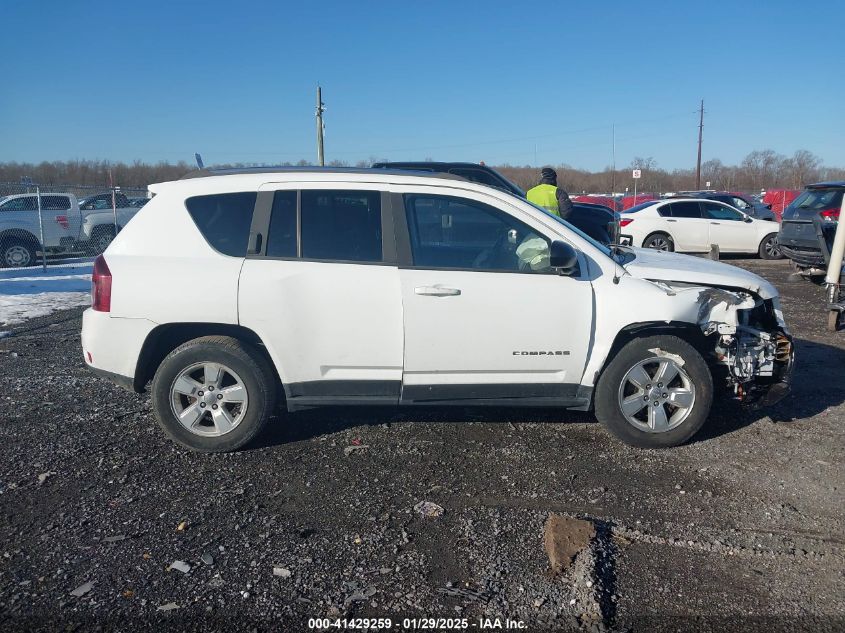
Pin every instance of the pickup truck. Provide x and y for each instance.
(68, 225)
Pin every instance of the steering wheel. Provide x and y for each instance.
(487, 257)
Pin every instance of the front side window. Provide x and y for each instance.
(740, 204)
(26, 203)
(716, 211)
(341, 225)
(449, 232)
(224, 220)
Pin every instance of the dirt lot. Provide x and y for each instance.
(741, 529)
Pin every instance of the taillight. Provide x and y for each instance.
(61, 220)
(830, 215)
(101, 286)
(625, 221)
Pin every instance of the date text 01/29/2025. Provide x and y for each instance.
(417, 624)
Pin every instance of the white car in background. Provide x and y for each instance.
(692, 225)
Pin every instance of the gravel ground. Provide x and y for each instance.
(105, 524)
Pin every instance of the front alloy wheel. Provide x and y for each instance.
(656, 395)
(656, 392)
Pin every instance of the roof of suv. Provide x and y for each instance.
(204, 173)
(233, 180)
(836, 184)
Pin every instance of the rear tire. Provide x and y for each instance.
(683, 402)
(659, 242)
(241, 391)
(100, 240)
(17, 253)
(769, 247)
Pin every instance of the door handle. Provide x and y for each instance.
(671, 220)
(715, 223)
(436, 291)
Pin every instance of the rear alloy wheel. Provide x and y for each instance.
(769, 247)
(659, 242)
(656, 392)
(17, 253)
(214, 394)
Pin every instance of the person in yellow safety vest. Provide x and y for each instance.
(549, 196)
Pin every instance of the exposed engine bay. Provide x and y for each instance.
(749, 340)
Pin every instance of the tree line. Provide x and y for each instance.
(760, 169)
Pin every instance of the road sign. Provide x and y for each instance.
(707, 184)
(637, 173)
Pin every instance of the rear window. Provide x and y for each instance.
(224, 220)
(818, 199)
(639, 207)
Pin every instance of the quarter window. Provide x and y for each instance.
(341, 225)
(451, 232)
(224, 220)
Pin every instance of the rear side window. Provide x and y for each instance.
(341, 225)
(281, 241)
(55, 203)
(224, 220)
(682, 210)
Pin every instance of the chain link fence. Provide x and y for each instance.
(49, 236)
(54, 225)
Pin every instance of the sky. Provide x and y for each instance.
(521, 83)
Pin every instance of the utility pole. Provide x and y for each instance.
(613, 163)
(700, 130)
(319, 114)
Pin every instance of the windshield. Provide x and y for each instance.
(603, 248)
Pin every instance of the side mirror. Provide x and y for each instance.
(563, 257)
(748, 219)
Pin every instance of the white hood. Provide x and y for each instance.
(664, 266)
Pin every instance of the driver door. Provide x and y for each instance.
(485, 317)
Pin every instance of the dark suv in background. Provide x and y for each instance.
(808, 225)
(597, 221)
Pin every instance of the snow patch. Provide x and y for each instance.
(25, 294)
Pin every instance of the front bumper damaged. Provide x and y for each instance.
(745, 340)
(752, 344)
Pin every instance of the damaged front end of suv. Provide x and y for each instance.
(745, 340)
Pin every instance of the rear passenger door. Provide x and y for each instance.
(320, 286)
(688, 228)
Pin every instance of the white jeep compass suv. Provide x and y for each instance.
(233, 292)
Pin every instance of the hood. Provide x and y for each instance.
(663, 266)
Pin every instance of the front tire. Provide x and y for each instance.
(769, 247)
(659, 242)
(213, 394)
(655, 393)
